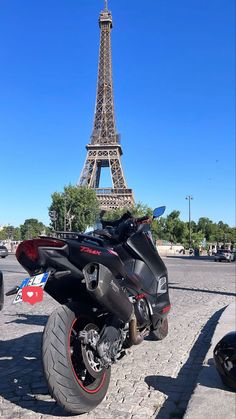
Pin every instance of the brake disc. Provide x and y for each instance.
(91, 362)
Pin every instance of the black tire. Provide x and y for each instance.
(161, 331)
(69, 381)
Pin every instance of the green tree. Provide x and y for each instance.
(77, 207)
(159, 229)
(31, 228)
(197, 239)
(194, 227)
(232, 236)
(16, 234)
(206, 226)
(7, 233)
(3, 234)
(175, 229)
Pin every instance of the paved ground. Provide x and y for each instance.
(155, 380)
(211, 398)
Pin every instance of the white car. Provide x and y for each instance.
(224, 254)
(3, 251)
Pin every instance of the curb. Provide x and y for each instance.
(211, 399)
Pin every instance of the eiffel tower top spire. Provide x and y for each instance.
(104, 127)
(104, 150)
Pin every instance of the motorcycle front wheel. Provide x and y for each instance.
(75, 380)
(161, 331)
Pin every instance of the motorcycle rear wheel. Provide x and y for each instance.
(69, 381)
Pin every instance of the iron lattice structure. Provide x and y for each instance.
(104, 149)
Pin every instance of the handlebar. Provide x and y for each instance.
(120, 230)
(143, 220)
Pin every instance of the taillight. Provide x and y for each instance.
(166, 309)
(30, 247)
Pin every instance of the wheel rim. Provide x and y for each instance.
(88, 382)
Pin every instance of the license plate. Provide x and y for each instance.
(37, 281)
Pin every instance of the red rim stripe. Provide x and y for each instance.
(80, 382)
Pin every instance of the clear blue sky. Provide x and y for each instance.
(173, 73)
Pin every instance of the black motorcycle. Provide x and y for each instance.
(113, 289)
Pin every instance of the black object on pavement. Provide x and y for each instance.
(225, 359)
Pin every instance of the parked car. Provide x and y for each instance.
(224, 254)
(3, 251)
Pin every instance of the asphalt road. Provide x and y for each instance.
(154, 380)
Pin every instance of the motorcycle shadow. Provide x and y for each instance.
(208, 377)
(22, 380)
(180, 389)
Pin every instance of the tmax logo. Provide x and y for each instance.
(85, 249)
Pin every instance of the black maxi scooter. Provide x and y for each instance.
(113, 289)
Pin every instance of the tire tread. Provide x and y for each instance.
(62, 383)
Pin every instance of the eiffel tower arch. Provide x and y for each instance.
(104, 150)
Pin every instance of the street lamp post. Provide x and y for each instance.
(189, 198)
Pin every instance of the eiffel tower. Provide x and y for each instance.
(104, 150)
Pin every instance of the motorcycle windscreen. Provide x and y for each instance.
(142, 245)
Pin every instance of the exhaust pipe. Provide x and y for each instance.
(135, 337)
(104, 288)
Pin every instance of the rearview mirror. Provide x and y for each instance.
(158, 212)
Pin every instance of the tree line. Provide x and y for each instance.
(75, 209)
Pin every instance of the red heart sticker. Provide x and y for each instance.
(32, 294)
